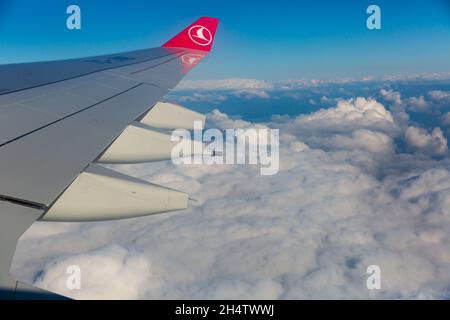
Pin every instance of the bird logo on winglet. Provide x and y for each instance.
(200, 35)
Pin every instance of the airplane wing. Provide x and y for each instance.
(60, 119)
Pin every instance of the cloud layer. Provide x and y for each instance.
(345, 198)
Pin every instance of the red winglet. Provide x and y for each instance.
(198, 36)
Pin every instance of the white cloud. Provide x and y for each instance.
(446, 118)
(251, 94)
(295, 84)
(342, 200)
(113, 273)
(349, 115)
(371, 141)
(221, 120)
(398, 109)
(391, 96)
(439, 95)
(225, 84)
(432, 144)
(420, 76)
(209, 97)
(324, 99)
(417, 104)
(353, 110)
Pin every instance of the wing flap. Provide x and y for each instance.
(39, 166)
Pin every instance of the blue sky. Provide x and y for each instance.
(262, 40)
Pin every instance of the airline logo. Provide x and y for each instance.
(200, 35)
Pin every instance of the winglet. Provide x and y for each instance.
(198, 36)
